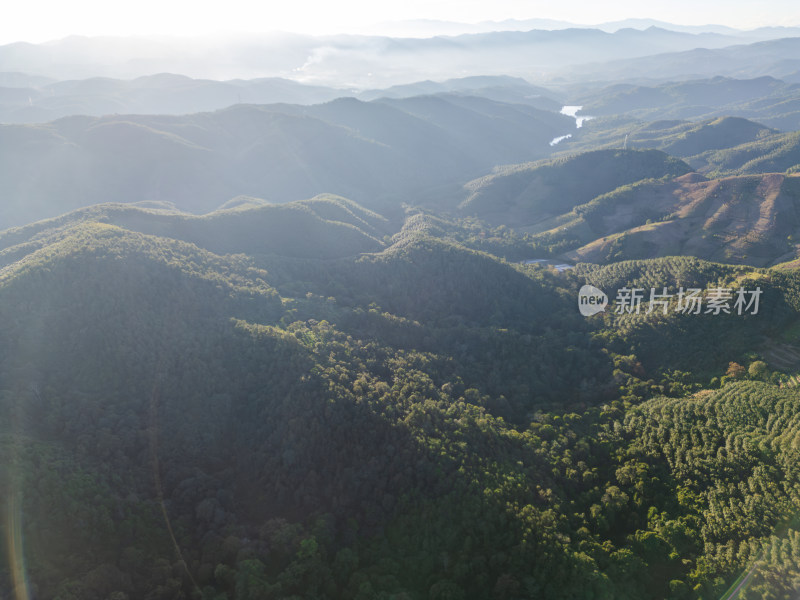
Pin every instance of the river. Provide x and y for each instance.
(571, 111)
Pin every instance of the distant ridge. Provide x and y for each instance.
(383, 60)
(377, 153)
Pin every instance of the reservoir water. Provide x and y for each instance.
(571, 111)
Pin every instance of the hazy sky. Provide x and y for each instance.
(41, 20)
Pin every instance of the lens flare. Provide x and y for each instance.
(16, 554)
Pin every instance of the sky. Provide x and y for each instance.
(44, 20)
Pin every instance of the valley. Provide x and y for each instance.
(319, 337)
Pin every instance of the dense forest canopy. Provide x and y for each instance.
(263, 339)
(428, 419)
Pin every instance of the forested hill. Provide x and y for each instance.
(529, 193)
(387, 334)
(378, 153)
(322, 227)
(743, 220)
(633, 204)
(196, 411)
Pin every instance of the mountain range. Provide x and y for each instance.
(431, 27)
(26, 99)
(421, 150)
(369, 61)
(314, 412)
(375, 152)
(458, 338)
(772, 58)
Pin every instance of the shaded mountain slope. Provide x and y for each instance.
(163, 93)
(771, 58)
(374, 153)
(761, 98)
(523, 195)
(720, 146)
(27, 99)
(680, 138)
(691, 139)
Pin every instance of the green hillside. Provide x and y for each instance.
(523, 195)
(527, 329)
(777, 153)
(766, 99)
(323, 227)
(680, 138)
(714, 134)
(424, 421)
(749, 525)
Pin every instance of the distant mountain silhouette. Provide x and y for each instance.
(365, 61)
(380, 153)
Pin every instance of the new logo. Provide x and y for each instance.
(591, 300)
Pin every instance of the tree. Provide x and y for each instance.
(735, 370)
(757, 370)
